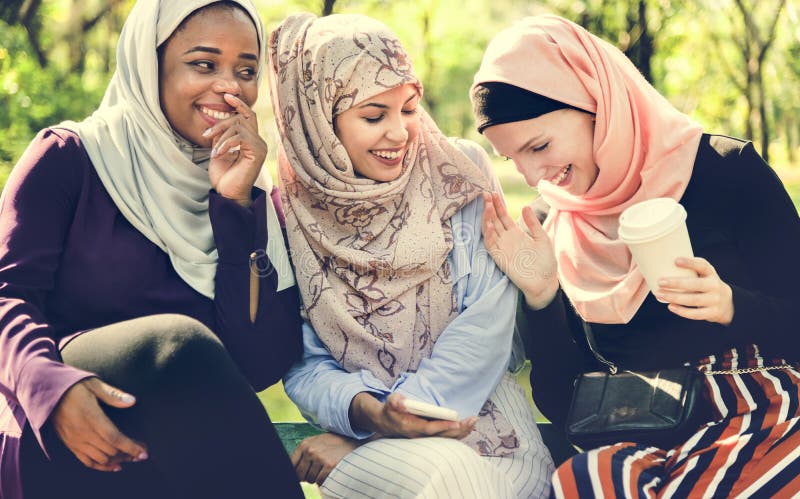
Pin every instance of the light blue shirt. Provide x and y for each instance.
(469, 358)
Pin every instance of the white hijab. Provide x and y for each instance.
(157, 179)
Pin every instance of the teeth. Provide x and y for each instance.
(562, 175)
(387, 154)
(219, 115)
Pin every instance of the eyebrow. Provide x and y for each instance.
(200, 48)
(384, 106)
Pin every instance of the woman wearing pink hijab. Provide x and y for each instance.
(584, 127)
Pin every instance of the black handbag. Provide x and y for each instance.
(661, 408)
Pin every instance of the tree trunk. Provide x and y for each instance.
(758, 45)
(645, 44)
(327, 7)
(762, 114)
(29, 20)
(427, 52)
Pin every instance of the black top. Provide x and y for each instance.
(743, 222)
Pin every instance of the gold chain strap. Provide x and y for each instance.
(748, 370)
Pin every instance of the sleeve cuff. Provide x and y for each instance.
(42, 384)
(340, 420)
(238, 230)
(747, 312)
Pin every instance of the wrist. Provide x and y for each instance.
(243, 202)
(539, 299)
(727, 316)
(362, 413)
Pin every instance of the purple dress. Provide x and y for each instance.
(70, 262)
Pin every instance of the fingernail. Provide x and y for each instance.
(207, 132)
(680, 260)
(141, 457)
(214, 152)
(118, 468)
(662, 282)
(127, 398)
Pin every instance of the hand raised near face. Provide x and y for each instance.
(527, 258)
(237, 153)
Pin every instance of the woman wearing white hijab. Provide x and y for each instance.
(145, 284)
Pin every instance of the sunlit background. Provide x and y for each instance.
(733, 65)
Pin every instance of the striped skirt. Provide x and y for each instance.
(752, 449)
(447, 468)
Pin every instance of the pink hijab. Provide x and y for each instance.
(643, 147)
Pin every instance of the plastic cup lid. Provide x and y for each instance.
(650, 219)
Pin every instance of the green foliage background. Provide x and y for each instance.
(56, 57)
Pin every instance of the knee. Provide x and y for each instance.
(178, 343)
(463, 467)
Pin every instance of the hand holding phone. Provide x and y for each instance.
(429, 411)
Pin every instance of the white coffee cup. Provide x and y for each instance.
(655, 232)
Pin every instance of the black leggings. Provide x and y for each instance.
(206, 431)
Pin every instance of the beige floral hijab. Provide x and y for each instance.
(370, 257)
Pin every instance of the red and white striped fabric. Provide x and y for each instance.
(752, 449)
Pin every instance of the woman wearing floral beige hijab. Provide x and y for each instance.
(400, 298)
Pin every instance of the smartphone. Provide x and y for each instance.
(430, 411)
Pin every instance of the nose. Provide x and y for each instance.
(531, 169)
(398, 130)
(227, 85)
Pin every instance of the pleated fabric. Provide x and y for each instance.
(752, 449)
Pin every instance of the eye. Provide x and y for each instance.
(204, 66)
(376, 119)
(248, 73)
(541, 147)
(410, 112)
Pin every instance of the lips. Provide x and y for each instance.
(388, 156)
(218, 115)
(559, 178)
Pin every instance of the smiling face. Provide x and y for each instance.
(378, 132)
(214, 52)
(555, 147)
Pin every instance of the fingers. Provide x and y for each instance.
(119, 442)
(531, 222)
(312, 474)
(110, 395)
(699, 265)
(110, 439)
(402, 423)
(463, 429)
(244, 117)
(301, 464)
(242, 109)
(705, 297)
(502, 213)
(315, 457)
(488, 226)
(323, 474)
(230, 142)
(96, 463)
